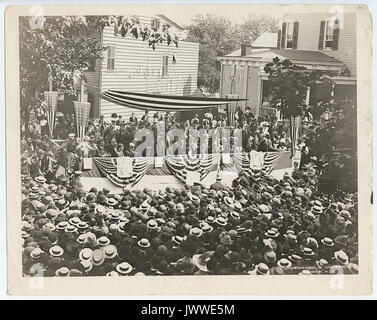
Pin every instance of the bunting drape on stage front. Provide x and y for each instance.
(156, 102)
(181, 166)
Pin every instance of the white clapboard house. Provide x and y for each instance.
(315, 40)
(131, 65)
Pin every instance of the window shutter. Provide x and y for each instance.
(279, 39)
(335, 39)
(321, 35)
(283, 34)
(116, 29)
(295, 35)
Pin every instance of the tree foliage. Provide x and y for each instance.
(218, 36)
(66, 45)
(290, 83)
(332, 141)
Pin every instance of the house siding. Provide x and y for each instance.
(309, 32)
(138, 69)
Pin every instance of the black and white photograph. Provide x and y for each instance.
(190, 141)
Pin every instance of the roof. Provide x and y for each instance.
(305, 55)
(266, 40)
(235, 53)
(171, 22)
(294, 55)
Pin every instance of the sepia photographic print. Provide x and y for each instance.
(189, 149)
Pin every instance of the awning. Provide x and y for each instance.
(156, 102)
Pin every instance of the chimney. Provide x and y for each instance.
(245, 49)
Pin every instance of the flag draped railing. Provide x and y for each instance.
(182, 165)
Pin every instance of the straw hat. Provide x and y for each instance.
(62, 225)
(97, 257)
(210, 219)
(70, 228)
(196, 231)
(110, 251)
(36, 253)
(87, 265)
(229, 201)
(112, 274)
(262, 269)
(270, 256)
(327, 242)
(62, 272)
(271, 233)
(144, 243)
(206, 227)
(81, 238)
(295, 258)
(221, 221)
(56, 251)
(124, 268)
(178, 239)
(82, 225)
(40, 179)
(341, 257)
(85, 254)
(322, 263)
(307, 252)
(284, 263)
(200, 260)
(152, 224)
(234, 214)
(305, 273)
(90, 198)
(74, 221)
(115, 215)
(316, 210)
(103, 241)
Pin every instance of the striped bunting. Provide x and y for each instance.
(51, 121)
(242, 161)
(108, 167)
(180, 165)
(164, 103)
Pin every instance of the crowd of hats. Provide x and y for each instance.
(258, 226)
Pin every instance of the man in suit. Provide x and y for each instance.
(133, 119)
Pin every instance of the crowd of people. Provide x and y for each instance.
(258, 226)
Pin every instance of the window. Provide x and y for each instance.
(328, 37)
(111, 58)
(165, 63)
(289, 36)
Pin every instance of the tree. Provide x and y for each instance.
(290, 83)
(66, 45)
(333, 142)
(217, 37)
(254, 27)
